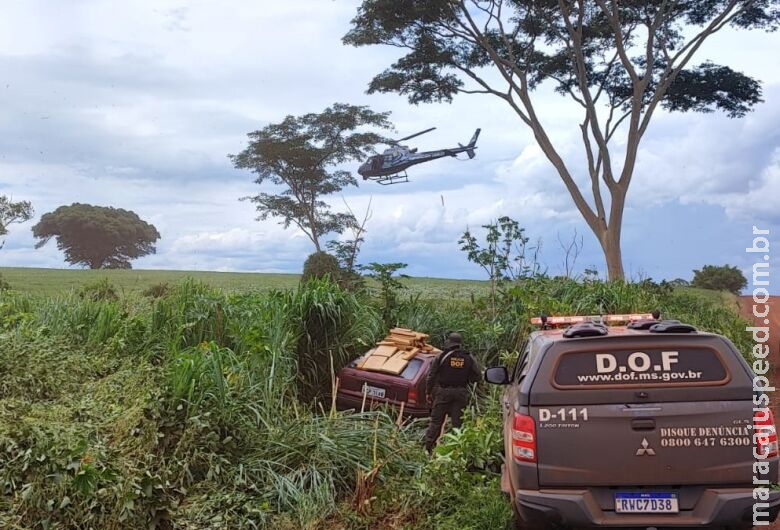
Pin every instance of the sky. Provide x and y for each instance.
(137, 105)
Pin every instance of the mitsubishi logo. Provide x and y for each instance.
(645, 450)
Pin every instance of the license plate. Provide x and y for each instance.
(373, 391)
(646, 503)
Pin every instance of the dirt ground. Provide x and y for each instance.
(746, 308)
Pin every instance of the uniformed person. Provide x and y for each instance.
(447, 384)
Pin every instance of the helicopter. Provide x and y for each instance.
(390, 166)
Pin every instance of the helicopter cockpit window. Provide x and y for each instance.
(376, 162)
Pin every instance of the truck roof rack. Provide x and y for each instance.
(645, 323)
(586, 329)
(672, 326)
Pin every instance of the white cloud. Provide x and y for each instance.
(759, 202)
(137, 104)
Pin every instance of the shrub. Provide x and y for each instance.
(389, 286)
(719, 278)
(460, 486)
(158, 290)
(319, 265)
(101, 289)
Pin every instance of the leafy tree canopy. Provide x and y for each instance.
(719, 278)
(619, 61)
(13, 212)
(98, 237)
(647, 40)
(303, 155)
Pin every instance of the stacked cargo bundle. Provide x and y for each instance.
(394, 352)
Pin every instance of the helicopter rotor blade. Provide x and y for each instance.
(413, 135)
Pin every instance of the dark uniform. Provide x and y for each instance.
(448, 380)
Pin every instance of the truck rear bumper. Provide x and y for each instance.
(716, 507)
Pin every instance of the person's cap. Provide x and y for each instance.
(453, 339)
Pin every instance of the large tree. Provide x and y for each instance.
(98, 237)
(13, 212)
(619, 61)
(304, 155)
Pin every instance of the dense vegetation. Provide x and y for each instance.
(195, 408)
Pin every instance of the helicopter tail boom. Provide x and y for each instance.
(472, 144)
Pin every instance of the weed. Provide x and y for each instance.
(101, 289)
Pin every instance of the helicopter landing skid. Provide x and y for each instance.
(394, 179)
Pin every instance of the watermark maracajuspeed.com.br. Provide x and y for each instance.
(764, 435)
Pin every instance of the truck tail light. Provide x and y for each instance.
(412, 396)
(523, 438)
(764, 425)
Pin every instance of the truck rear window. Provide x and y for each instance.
(411, 369)
(650, 367)
(408, 373)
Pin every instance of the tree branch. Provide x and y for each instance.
(593, 169)
(578, 56)
(533, 120)
(686, 53)
(614, 22)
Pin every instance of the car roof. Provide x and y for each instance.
(556, 334)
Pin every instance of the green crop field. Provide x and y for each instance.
(49, 282)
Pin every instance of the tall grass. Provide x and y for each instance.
(334, 327)
(200, 409)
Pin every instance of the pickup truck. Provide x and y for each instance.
(645, 425)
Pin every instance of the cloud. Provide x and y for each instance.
(137, 105)
(709, 158)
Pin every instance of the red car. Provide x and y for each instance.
(361, 389)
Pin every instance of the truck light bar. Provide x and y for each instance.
(573, 319)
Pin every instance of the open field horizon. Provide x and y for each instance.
(48, 282)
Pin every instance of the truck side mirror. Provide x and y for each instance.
(497, 375)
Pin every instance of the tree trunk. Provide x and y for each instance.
(610, 235)
(610, 243)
